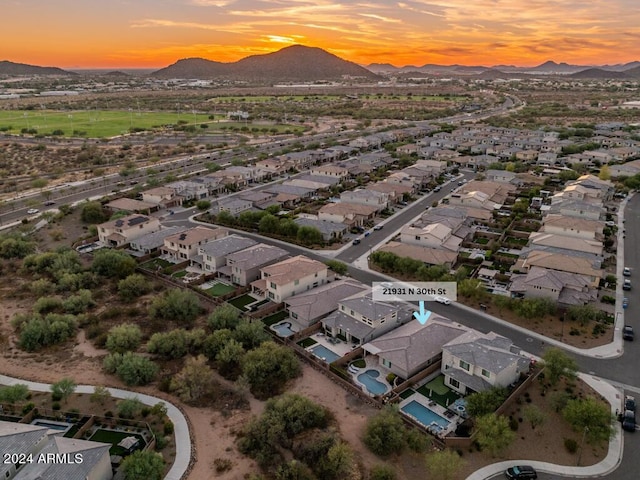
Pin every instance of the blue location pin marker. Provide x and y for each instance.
(423, 315)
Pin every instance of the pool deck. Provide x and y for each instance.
(454, 419)
(382, 378)
(340, 349)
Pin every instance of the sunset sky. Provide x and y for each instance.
(156, 33)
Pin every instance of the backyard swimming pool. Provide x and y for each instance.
(283, 329)
(373, 386)
(52, 425)
(424, 415)
(323, 353)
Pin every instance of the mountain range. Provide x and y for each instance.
(300, 63)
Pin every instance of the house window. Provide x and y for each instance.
(464, 365)
(454, 383)
(273, 285)
(417, 237)
(386, 363)
(486, 373)
(294, 315)
(296, 282)
(271, 295)
(351, 312)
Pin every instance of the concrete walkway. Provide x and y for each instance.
(181, 428)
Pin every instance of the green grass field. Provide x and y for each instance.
(242, 301)
(110, 123)
(219, 289)
(113, 437)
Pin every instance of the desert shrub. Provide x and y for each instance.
(36, 332)
(123, 338)
(571, 445)
(131, 368)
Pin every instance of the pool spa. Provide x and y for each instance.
(283, 329)
(323, 353)
(373, 386)
(425, 415)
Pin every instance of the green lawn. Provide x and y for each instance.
(242, 301)
(155, 263)
(438, 392)
(179, 274)
(112, 437)
(307, 342)
(407, 393)
(275, 318)
(219, 289)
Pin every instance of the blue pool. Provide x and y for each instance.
(283, 329)
(324, 353)
(424, 415)
(373, 386)
(52, 425)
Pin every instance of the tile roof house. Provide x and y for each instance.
(243, 267)
(573, 227)
(427, 255)
(94, 463)
(475, 362)
(163, 197)
(330, 171)
(121, 231)
(289, 277)
(329, 230)
(413, 346)
(131, 205)
(359, 319)
(563, 263)
(575, 208)
(434, 235)
(579, 244)
(214, 253)
(184, 246)
(366, 197)
(562, 287)
(152, 242)
(351, 214)
(308, 308)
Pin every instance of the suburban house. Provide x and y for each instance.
(434, 235)
(573, 227)
(564, 242)
(575, 208)
(475, 362)
(501, 176)
(395, 191)
(329, 230)
(121, 231)
(152, 242)
(351, 214)
(427, 255)
(190, 190)
(330, 171)
(563, 263)
(243, 267)
(213, 255)
(414, 346)
(562, 287)
(183, 246)
(359, 319)
(289, 277)
(232, 205)
(163, 197)
(131, 205)
(474, 199)
(35, 440)
(310, 307)
(366, 197)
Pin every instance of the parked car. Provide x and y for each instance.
(520, 472)
(378, 227)
(626, 271)
(626, 285)
(356, 242)
(625, 302)
(49, 203)
(32, 211)
(627, 333)
(443, 300)
(629, 421)
(630, 403)
(437, 189)
(366, 234)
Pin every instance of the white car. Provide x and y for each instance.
(32, 211)
(443, 300)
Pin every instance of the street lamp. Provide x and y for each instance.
(584, 434)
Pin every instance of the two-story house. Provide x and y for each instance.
(163, 197)
(475, 362)
(286, 278)
(121, 231)
(183, 246)
(330, 171)
(214, 253)
(564, 288)
(243, 267)
(373, 198)
(573, 227)
(433, 235)
(359, 319)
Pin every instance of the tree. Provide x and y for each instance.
(225, 316)
(269, 224)
(14, 393)
(269, 367)
(488, 401)
(92, 212)
(384, 434)
(203, 205)
(444, 464)
(216, 342)
(79, 303)
(129, 407)
(533, 415)
(605, 173)
(39, 183)
(131, 368)
(309, 236)
(100, 395)
(337, 266)
(558, 364)
(134, 286)
(123, 338)
(493, 433)
(173, 344)
(591, 417)
(250, 334)
(339, 462)
(143, 465)
(112, 263)
(382, 472)
(194, 381)
(229, 358)
(63, 389)
(177, 305)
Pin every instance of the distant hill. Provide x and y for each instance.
(599, 73)
(12, 68)
(291, 64)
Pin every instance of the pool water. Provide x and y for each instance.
(424, 415)
(61, 426)
(324, 353)
(373, 386)
(283, 329)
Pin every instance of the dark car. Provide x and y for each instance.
(629, 403)
(49, 203)
(356, 241)
(626, 285)
(520, 471)
(629, 421)
(378, 227)
(627, 333)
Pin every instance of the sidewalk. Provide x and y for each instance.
(181, 428)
